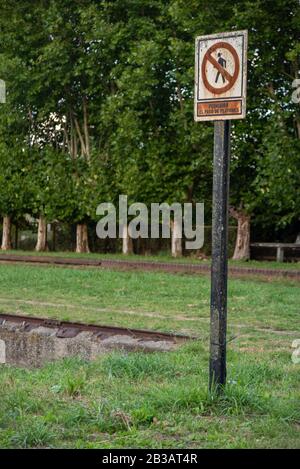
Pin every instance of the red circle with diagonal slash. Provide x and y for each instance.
(230, 78)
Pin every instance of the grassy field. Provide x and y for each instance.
(158, 400)
(159, 258)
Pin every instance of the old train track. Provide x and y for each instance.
(66, 329)
(171, 267)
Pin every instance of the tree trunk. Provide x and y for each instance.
(298, 128)
(82, 241)
(16, 237)
(41, 244)
(6, 233)
(127, 246)
(176, 242)
(242, 244)
(54, 236)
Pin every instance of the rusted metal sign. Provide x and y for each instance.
(220, 76)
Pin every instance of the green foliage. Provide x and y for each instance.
(100, 99)
(278, 178)
(32, 435)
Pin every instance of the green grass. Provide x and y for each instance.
(158, 400)
(153, 300)
(159, 258)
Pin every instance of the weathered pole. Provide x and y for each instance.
(222, 55)
(219, 266)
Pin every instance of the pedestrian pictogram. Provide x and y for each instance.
(222, 63)
(220, 91)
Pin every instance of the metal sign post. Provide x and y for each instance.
(220, 95)
(218, 303)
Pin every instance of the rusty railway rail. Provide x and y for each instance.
(68, 329)
(146, 265)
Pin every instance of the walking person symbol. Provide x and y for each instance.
(222, 62)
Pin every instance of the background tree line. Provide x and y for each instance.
(100, 102)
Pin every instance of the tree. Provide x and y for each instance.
(273, 33)
(49, 63)
(104, 91)
(14, 171)
(272, 64)
(155, 148)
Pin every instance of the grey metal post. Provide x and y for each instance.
(219, 267)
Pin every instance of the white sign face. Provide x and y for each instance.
(221, 76)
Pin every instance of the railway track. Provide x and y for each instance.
(146, 266)
(67, 330)
(33, 341)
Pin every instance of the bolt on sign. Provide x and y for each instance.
(221, 76)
